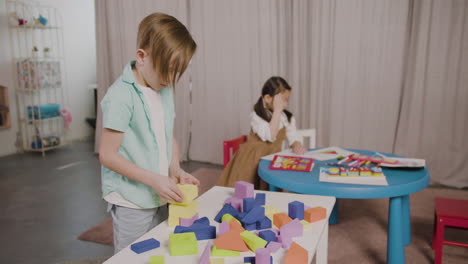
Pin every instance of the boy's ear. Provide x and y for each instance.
(141, 57)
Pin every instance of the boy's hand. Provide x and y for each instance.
(179, 175)
(298, 148)
(167, 188)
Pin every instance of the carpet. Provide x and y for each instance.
(361, 235)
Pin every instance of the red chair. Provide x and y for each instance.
(230, 147)
(448, 212)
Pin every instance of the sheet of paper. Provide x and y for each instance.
(382, 181)
(316, 154)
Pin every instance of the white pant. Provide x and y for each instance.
(130, 224)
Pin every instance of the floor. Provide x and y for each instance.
(45, 203)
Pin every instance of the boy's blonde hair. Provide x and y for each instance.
(169, 44)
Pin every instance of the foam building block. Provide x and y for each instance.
(217, 261)
(267, 235)
(253, 242)
(176, 212)
(145, 245)
(227, 209)
(262, 256)
(280, 219)
(270, 210)
(228, 218)
(315, 214)
(274, 230)
(249, 260)
(296, 210)
(305, 224)
(285, 241)
(264, 223)
(201, 231)
(188, 221)
(203, 221)
(173, 221)
(234, 225)
(241, 215)
(248, 204)
(273, 246)
(296, 255)
(218, 252)
(190, 192)
(237, 203)
(260, 199)
(223, 228)
(231, 241)
(250, 227)
(183, 244)
(292, 229)
(243, 190)
(205, 256)
(156, 259)
(254, 215)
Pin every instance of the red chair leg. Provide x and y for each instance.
(439, 238)
(434, 228)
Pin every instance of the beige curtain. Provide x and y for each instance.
(434, 112)
(116, 29)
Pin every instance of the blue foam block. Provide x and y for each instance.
(268, 235)
(296, 210)
(249, 203)
(201, 231)
(203, 221)
(241, 215)
(256, 214)
(264, 223)
(145, 245)
(260, 199)
(251, 260)
(227, 209)
(250, 227)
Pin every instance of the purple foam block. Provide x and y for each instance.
(223, 228)
(205, 256)
(260, 199)
(248, 204)
(285, 241)
(188, 221)
(256, 214)
(273, 246)
(228, 200)
(292, 229)
(296, 210)
(243, 190)
(262, 256)
(237, 204)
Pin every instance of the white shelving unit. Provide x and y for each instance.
(36, 36)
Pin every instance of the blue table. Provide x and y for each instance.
(401, 182)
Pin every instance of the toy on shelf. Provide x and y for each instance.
(291, 163)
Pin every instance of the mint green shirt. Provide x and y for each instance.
(124, 109)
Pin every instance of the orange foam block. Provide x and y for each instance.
(231, 240)
(281, 219)
(296, 255)
(235, 225)
(315, 214)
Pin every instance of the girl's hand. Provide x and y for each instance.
(167, 188)
(298, 148)
(279, 103)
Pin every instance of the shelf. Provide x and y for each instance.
(30, 121)
(26, 90)
(39, 59)
(34, 27)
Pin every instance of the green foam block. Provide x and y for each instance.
(182, 244)
(253, 242)
(218, 252)
(157, 259)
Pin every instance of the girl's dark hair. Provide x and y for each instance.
(272, 87)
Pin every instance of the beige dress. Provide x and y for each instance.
(243, 165)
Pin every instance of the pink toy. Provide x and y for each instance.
(188, 221)
(67, 118)
(262, 256)
(292, 229)
(285, 241)
(205, 256)
(223, 228)
(273, 247)
(243, 190)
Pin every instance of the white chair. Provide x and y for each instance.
(303, 134)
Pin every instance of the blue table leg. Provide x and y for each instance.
(272, 188)
(406, 218)
(395, 248)
(333, 220)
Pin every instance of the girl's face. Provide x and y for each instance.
(269, 99)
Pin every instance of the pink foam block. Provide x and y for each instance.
(243, 190)
(273, 247)
(188, 221)
(285, 241)
(262, 256)
(235, 202)
(228, 200)
(205, 256)
(223, 228)
(292, 229)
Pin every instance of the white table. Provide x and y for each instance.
(315, 238)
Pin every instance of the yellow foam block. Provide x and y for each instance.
(183, 211)
(189, 191)
(173, 221)
(270, 210)
(217, 261)
(305, 224)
